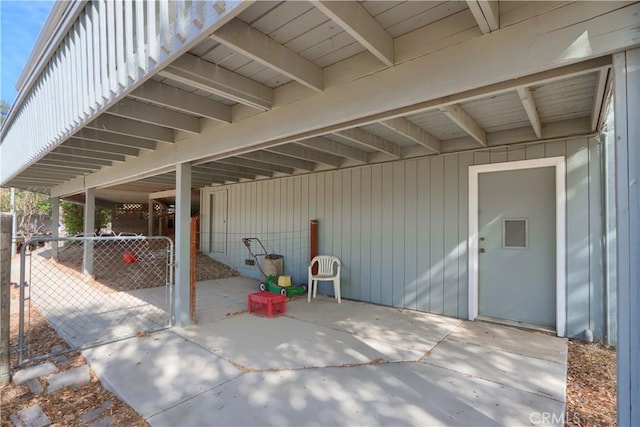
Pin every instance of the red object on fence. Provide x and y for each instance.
(129, 257)
(267, 304)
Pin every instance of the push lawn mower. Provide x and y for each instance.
(272, 283)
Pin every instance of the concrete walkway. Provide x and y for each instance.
(330, 364)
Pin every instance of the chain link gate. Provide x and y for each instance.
(125, 288)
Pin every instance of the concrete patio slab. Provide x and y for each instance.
(280, 343)
(520, 372)
(155, 372)
(538, 344)
(398, 327)
(219, 298)
(388, 394)
(325, 363)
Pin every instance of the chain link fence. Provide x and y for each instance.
(95, 290)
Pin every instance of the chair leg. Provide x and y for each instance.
(309, 290)
(315, 288)
(336, 289)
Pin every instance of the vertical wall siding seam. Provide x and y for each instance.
(603, 240)
(416, 293)
(457, 234)
(589, 241)
(444, 233)
(606, 247)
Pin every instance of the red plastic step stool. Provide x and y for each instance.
(267, 304)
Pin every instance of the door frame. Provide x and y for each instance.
(474, 171)
(210, 195)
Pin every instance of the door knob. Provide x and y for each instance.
(482, 250)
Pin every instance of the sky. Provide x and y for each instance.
(20, 25)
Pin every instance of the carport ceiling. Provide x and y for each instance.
(273, 46)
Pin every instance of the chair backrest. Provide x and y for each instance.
(326, 263)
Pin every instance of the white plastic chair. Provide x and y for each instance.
(325, 273)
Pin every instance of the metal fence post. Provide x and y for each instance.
(5, 280)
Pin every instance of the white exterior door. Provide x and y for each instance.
(517, 245)
(218, 225)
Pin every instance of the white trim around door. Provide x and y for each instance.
(474, 171)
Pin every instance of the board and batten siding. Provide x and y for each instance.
(401, 228)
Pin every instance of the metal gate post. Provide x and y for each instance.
(22, 283)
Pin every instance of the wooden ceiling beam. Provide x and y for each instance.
(336, 148)
(370, 140)
(237, 161)
(415, 133)
(214, 79)
(356, 21)
(253, 44)
(460, 117)
(145, 113)
(99, 147)
(598, 100)
(98, 135)
(132, 128)
(168, 96)
(486, 14)
(305, 153)
(89, 154)
(280, 160)
(529, 104)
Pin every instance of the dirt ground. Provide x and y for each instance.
(208, 269)
(146, 270)
(591, 385)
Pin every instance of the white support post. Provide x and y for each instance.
(89, 222)
(55, 218)
(626, 67)
(182, 242)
